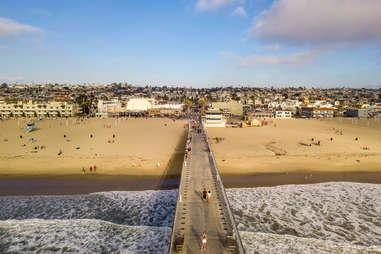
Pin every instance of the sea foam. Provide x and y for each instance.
(340, 212)
(134, 208)
(80, 236)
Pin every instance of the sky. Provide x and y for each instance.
(192, 43)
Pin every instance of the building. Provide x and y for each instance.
(310, 112)
(166, 110)
(31, 109)
(260, 114)
(283, 114)
(357, 113)
(229, 108)
(214, 118)
(138, 105)
(109, 108)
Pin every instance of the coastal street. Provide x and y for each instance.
(195, 215)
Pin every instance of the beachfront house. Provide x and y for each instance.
(312, 112)
(283, 114)
(214, 118)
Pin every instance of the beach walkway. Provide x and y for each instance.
(195, 215)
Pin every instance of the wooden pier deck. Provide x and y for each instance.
(194, 215)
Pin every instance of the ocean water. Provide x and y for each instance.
(133, 208)
(317, 218)
(335, 217)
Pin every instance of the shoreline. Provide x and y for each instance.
(12, 185)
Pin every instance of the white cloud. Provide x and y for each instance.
(320, 22)
(294, 59)
(240, 11)
(212, 5)
(10, 28)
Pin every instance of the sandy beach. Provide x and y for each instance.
(117, 147)
(286, 145)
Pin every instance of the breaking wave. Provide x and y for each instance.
(133, 208)
(81, 236)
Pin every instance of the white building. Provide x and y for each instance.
(139, 104)
(214, 118)
(283, 114)
(107, 108)
(31, 109)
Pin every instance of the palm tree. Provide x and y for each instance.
(202, 104)
(188, 105)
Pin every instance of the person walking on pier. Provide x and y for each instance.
(204, 194)
(203, 241)
(209, 195)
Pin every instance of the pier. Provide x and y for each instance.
(193, 214)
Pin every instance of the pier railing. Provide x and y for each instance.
(176, 237)
(235, 236)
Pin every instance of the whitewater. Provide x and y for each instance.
(334, 217)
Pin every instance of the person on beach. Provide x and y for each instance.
(203, 241)
(95, 168)
(83, 170)
(113, 135)
(91, 169)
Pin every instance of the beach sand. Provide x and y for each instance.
(283, 147)
(141, 147)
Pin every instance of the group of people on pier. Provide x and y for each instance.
(206, 195)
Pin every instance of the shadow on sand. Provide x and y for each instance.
(171, 176)
(172, 173)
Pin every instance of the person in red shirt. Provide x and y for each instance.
(204, 194)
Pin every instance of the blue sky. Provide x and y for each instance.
(199, 43)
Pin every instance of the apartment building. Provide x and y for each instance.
(311, 112)
(109, 108)
(31, 109)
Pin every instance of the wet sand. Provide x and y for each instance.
(70, 185)
(274, 179)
